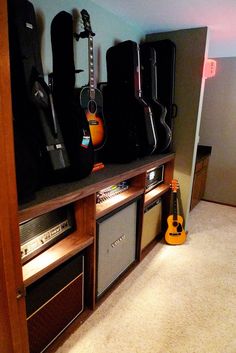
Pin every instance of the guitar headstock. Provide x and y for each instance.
(174, 185)
(87, 25)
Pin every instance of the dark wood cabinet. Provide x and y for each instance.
(199, 182)
(15, 278)
(82, 195)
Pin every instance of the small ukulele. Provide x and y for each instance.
(91, 99)
(175, 233)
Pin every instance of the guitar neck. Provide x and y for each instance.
(175, 206)
(91, 68)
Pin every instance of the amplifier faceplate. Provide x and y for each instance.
(41, 232)
(154, 177)
(42, 239)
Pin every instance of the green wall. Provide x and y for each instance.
(108, 28)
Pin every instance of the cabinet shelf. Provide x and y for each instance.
(155, 193)
(54, 256)
(55, 196)
(118, 200)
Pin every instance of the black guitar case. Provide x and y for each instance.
(72, 119)
(39, 148)
(165, 75)
(130, 129)
(148, 65)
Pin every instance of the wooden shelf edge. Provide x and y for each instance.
(55, 196)
(54, 256)
(155, 193)
(117, 201)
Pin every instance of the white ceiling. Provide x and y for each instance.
(165, 15)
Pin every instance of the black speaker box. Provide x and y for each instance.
(53, 302)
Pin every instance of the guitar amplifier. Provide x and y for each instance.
(116, 245)
(39, 233)
(53, 302)
(151, 223)
(154, 177)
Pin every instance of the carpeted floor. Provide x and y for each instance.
(180, 299)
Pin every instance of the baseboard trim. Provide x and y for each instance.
(220, 203)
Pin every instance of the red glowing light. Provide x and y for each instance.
(210, 68)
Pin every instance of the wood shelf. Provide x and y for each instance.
(155, 193)
(55, 196)
(54, 256)
(116, 201)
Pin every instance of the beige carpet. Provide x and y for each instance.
(180, 299)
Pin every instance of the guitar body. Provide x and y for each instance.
(90, 97)
(94, 115)
(175, 233)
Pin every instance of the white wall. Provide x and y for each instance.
(218, 127)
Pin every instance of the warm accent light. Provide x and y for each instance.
(209, 68)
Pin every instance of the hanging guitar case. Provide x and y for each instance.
(131, 131)
(72, 119)
(39, 150)
(165, 75)
(148, 64)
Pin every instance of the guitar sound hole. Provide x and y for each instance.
(175, 224)
(92, 107)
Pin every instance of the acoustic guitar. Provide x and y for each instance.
(91, 99)
(175, 233)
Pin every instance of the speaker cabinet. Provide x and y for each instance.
(151, 223)
(53, 302)
(116, 245)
